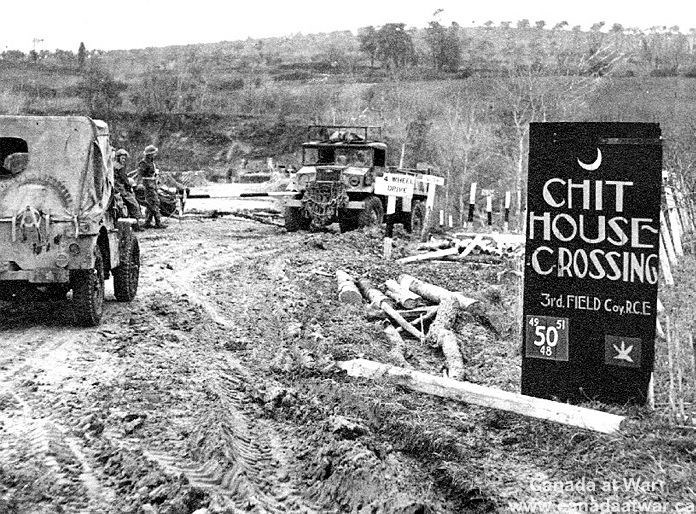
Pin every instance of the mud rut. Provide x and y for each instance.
(82, 417)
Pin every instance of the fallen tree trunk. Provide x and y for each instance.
(441, 334)
(486, 396)
(347, 290)
(398, 349)
(380, 300)
(405, 298)
(432, 292)
(430, 256)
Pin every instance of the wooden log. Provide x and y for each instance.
(435, 244)
(406, 303)
(441, 334)
(398, 348)
(380, 300)
(486, 396)
(432, 292)
(437, 254)
(407, 299)
(347, 290)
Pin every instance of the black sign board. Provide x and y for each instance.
(592, 261)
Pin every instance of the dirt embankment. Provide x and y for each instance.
(214, 391)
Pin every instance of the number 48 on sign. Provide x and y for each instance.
(547, 338)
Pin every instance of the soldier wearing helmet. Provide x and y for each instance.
(149, 174)
(123, 186)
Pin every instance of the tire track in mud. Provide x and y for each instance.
(240, 462)
(32, 417)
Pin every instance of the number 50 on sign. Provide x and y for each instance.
(547, 338)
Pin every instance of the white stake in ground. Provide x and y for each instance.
(489, 209)
(506, 220)
(472, 202)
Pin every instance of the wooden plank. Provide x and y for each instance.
(664, 264)
(486, 396)
(665, 236)
(674, 225)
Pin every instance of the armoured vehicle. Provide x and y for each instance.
(60, 224)
(337, 181)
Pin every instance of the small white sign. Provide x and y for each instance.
(433, 179)
(394, 184)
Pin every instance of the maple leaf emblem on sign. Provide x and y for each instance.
(623, 353)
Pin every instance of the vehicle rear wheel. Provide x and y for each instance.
(372, 213)
(88, 292)
(128, 272)
(295, 220)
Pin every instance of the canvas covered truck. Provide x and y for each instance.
(61, 228)
(336, 183)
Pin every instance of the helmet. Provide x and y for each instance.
(150, 150)
(121, 152)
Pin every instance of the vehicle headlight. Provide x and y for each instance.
(74, 249)
(354, 181)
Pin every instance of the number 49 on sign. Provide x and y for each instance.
(546, 338)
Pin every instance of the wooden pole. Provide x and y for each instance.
(389, 234)
(506, 221)
(472, 203)
(489, 209)
(486, 396)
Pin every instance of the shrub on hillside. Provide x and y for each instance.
(664, 72)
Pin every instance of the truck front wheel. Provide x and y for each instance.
(372, 213)
(295, 220)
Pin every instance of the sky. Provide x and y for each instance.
(120, 24)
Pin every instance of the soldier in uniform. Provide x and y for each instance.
(149, 174)
(124, 188)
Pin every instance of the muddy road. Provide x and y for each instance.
(214, 391)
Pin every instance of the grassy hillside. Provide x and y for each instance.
(209, 106)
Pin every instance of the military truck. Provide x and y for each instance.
(336, 182)
(61, 229)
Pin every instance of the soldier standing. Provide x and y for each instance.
(148, 172)
(124, 188)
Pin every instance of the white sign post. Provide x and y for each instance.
(394, 185)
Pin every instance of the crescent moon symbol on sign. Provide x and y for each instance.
(594, 165)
